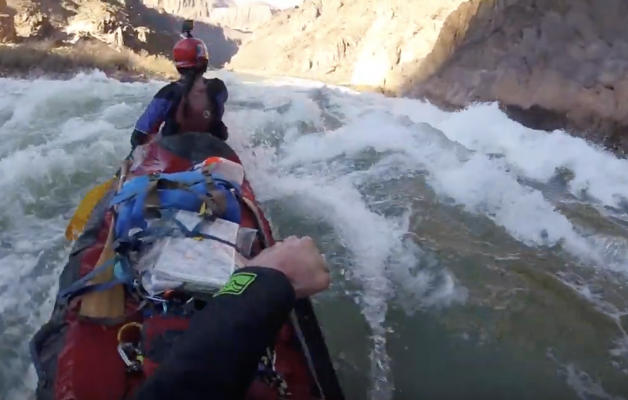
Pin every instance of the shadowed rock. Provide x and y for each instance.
(122, 24)
(224, 13)
(550, 63)
(7, 28)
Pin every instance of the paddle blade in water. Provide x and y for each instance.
(84, 210)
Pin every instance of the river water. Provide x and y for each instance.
(472, 257)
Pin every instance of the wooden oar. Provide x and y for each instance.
(110, 303)
(84, 210)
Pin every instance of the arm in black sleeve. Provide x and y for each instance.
(218, 95)
(138, 138)
(220, 130)
(218, 356)
(154, 114)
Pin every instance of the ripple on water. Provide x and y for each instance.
(456, 239)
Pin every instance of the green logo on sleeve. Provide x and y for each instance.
(237, 284)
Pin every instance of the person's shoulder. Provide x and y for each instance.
(168, 90)
(214, 79)
(215, 84)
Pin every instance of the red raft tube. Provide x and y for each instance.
(82, 358)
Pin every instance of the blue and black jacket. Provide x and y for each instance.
(163, 107)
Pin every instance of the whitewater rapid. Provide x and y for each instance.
(423, 214)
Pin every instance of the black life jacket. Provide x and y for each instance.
(191, 116)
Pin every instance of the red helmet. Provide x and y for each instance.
(190, 53)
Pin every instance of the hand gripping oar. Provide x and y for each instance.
(85, 208)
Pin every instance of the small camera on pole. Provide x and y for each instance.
(187, 27)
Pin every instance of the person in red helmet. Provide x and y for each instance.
(191, 104)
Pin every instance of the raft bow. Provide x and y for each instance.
(105, 315)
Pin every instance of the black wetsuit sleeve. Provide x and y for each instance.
(218, 356)
(156, 111)
(220, 130)
(218, 95)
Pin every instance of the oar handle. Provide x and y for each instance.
(124, 170)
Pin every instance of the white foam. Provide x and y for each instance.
(534, 154)
(477, 182)
(58, 139)
(69, 135)
(585, 386)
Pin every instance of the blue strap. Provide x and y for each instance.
(135, 242)
(219, 178)
(131, 199)
(86, 278)
(163, 232)
(122, 272)
(195, 233)
(189, 178)
(137, 186)
(97, 287)
(131, 189)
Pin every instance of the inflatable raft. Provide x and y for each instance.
(114, 308)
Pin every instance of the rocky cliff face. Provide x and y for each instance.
(550, 63)
(119, 23)
(192, 9)
(365, 42)
(223, 13)
(7, 28)
(244, 18)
